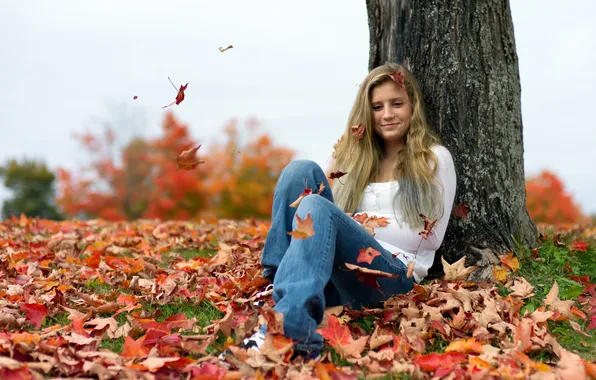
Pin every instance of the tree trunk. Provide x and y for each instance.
(463, 53)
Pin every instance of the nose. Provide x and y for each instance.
(388, 113)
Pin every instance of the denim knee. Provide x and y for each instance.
(300, 167)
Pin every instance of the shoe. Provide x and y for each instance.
(256, 341)
(259, 296)
(308, 356)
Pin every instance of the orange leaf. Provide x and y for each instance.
(35, 313)
(510, 261)
(188, 159)
(303, 229)
(580, 246)
(367, 255)
(134, 349)
(499, 273)
(461, 210)
(435, 361)
(465, 346)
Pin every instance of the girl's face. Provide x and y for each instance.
(392, 111)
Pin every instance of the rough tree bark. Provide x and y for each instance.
(463, 53)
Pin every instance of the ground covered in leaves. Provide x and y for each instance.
(150, 300)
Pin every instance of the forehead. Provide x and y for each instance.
(388, 90)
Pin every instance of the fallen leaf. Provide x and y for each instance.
(457, 270)
(341, 340)
(510, 261)
(35, 313)
(580, 246)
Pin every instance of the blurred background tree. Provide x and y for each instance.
(32, 186)
(237, 179)
(548, 201)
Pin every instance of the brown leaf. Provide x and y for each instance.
(370, 276)
(188, 159)
(457, 270)
(226, 48)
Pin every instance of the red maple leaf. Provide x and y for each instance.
(436, 361)
(579, 245)
(461, 210)
(335, 333)
(35, 313)
(367, 255)
(336, 174)
(398, 77)
(188, 159)
(428, 226)
(179, 96)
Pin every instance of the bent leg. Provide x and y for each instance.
(310, 264)
(290, 185)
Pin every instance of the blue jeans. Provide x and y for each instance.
(310, 274)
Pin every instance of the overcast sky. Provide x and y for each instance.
(294, 65)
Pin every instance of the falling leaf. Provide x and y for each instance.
(428, 226)
(188, 160)
(226, 48)
(296, 203)
(411, 266)
(358, 132)
(457, 270)
(398, 77)
(367, 255)
(461, 210)
(336, 174)
(370, 276)
(369, 223)
(135, 97)
(179, 96)
(304, 228)
(510, 261)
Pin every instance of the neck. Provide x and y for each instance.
(392, 149)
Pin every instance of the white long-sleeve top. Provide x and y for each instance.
(397, 237)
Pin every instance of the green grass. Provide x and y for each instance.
(554, 263)
(114, 345)
(98, 288)
(204, 312)
(185, 254)
(58, 319)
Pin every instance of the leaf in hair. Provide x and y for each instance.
(398, 77)
(358, 131)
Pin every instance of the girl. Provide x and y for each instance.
(396, 169)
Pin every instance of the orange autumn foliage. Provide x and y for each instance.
(548, 201)
(236, 180)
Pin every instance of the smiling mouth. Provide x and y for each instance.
(388, 125)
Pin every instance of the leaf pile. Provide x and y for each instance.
(126, 300)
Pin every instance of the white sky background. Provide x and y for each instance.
(294, 67)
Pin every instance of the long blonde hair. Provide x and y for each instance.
(418, 191)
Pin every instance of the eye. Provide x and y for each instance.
(398, 104)
(376, 107)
